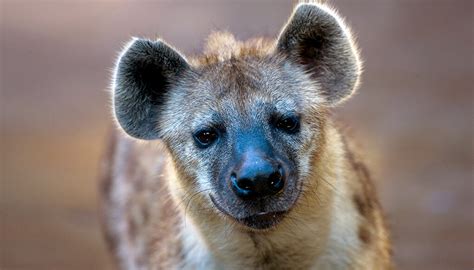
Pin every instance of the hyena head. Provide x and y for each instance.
(243, 122)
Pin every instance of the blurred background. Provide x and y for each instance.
(413, 115)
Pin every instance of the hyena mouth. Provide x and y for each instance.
(259, 221)
(263, 220)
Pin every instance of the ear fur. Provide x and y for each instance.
(145, 72)
(317, 38)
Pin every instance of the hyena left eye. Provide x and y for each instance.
(289, 124)
(205, 137)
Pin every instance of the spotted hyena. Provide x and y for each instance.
(232, 160)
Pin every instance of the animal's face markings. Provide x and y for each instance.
(247, 130)
(242, 122)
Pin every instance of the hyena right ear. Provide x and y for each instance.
(316, 38)
(144, 75)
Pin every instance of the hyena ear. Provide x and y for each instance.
(316, 37)
(144, 75)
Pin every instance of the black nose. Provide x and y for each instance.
(257, 178)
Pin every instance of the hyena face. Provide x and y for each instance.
(244, 126)
(246, 135)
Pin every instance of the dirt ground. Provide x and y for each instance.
(413, 115)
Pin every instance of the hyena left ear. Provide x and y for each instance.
(316, 37)
(146, 73)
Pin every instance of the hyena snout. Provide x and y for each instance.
(257, 176)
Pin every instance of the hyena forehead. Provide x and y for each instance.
(250, 86)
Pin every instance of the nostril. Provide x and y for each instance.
(275, 178)
(245, 184)
(276, 181)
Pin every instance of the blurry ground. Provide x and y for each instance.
(413, 114)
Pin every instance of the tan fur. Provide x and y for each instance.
(154, 217)
(337, 224)
(223, 46)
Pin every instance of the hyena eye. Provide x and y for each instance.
(205, 137)
(289, 124)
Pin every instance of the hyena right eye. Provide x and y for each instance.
(289, 124)
(205, 137)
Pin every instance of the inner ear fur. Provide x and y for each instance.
(317, 38)
(145, 72)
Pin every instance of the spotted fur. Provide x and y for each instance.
(164, 204)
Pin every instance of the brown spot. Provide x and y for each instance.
(132, 228)
(364, 234)
(364, 203)
(266, 259)
(105, 183)
(145, 214)
(111, 241)
(361, 206)
(254, 239)
(365, 199)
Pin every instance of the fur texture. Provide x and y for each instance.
(167, 204)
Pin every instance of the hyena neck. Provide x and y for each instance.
(320, 228)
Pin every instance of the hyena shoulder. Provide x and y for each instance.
(139, 217)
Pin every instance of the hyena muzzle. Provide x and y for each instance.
(232, 160)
